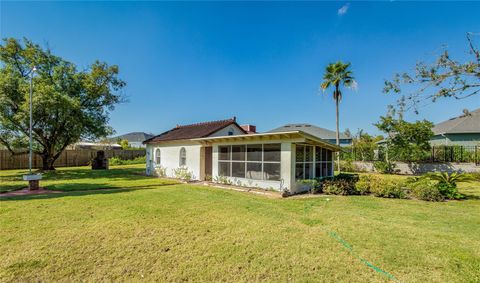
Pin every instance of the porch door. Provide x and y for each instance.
(208, 161)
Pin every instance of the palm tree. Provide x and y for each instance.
(336, 75)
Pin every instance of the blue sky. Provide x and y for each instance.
(259, 61)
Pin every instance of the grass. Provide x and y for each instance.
(158, 231)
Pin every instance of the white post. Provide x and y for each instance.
(31, 120)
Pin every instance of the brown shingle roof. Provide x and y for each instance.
(198, 130)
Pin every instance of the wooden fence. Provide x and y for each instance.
(68, 158)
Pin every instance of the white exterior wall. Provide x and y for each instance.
(170, 158)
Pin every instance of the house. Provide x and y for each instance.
(324, 134)
(462, 130)
(135, 139)
(226, 152)
(94, 145)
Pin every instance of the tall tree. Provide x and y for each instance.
(337, 75)
(68, 104)
(446, 77)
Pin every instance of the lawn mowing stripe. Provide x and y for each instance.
(332, 234)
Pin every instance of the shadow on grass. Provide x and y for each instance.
(93, 191)
(469, 197)
(83, 173)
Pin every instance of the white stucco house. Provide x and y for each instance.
(225, 151)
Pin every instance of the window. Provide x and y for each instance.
(230, 132)
(252, 161)
(157, 157)
(183, 157)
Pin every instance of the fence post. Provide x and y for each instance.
(476, 158)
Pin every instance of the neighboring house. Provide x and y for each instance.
(462, 130)
(94, 145)
(135, 139)
(324, 134)
(226, 153)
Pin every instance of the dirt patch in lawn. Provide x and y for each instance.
(27, 192)
(267, 193)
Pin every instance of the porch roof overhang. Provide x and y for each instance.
(294, 136)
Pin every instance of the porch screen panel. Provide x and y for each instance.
(224, 168)
(254, 171)
(323, 162)
(238, 169)
(272, 171)
(224, 152)
(238, 152)
(252, 161)
(304, 164)
(271, 152)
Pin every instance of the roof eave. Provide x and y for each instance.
(273, 135)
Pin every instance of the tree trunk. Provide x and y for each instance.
(337, 126)
(47, 161)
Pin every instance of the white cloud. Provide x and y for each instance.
(342, 11)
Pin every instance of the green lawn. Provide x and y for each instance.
(158, 231)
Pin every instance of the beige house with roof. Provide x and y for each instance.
(226, 152)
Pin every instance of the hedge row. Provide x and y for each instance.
(380, 186)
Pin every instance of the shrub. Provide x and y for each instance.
(118, 161)
(222, 180)
(347, 165)
(450, 179)
(350, 177)
(387, 188)
(363, 184)
(182, 173)
(424, 189)
(449, 191)
(447, 183)
(385, 167)
(339, 187)
(161, 171)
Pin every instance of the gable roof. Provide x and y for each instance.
(313, 130)
(133, 137)
(198, 130)
(466, 123)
